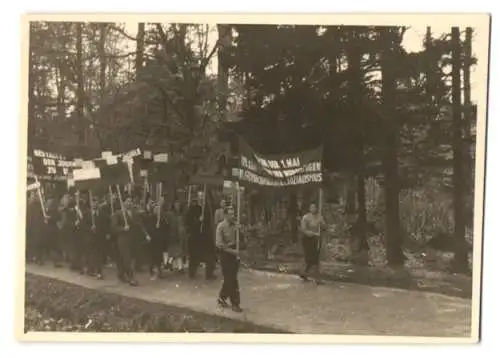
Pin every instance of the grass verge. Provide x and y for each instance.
(53, 305)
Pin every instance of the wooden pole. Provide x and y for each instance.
(189, 195)
(112, 206)
(158, 209)
(238, 211)
(203, 206)
(121, 205)
(320, 210)
(91, 208)
(41, 198)
(145, 191)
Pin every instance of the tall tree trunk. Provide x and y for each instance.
(460, 262)
(102, 59)
(61, 89)
(103, 63)
(31, 92)
(222, 69)
(292, 216)
(139, 58)
(469, 120)
(393, 237)
(80, 95)
(356, 84)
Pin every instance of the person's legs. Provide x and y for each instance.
(210, 259)
(315, 253)
(194, 256)
(234, 289)
(56, 250)
(120, 259)
(224, 291)
(307, 245)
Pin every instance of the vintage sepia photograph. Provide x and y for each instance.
(221, 176)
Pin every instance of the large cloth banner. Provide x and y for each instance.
(49, 166)
(284, 170)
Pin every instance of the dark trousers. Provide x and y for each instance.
(201, 251)
(48, 244)
(78, 243)
(230, 286)
(96, 252)
(311, 249)
(125, 257)
(155, 253)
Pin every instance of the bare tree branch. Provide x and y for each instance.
(128, 36)
(206, 61)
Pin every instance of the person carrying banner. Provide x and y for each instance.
(201, 245)
(226, 243)
(311, 226)
(126, 228)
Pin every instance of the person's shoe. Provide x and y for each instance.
(133, 283)
(304, 277)
(237, 309)
(222, 303)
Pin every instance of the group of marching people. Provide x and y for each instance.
(135, 232)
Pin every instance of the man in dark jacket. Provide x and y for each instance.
(201, 241)
(98, 239)
(126, 226)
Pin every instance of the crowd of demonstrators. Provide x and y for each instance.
(136, 236)
(134, 233)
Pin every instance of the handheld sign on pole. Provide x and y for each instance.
(33, 186)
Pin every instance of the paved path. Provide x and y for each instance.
(285, 302)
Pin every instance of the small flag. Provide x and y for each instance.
(147, 154)
(86, 174)
(161, 158)
(111, 160)
(87, 164)
(33, 186)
